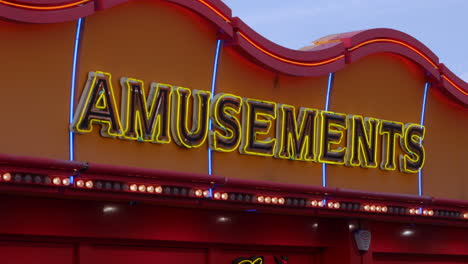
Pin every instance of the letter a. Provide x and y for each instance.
(97, 106)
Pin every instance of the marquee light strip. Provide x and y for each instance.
(54, 7)
(261, 198)
(308, 64)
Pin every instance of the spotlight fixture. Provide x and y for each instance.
(407, 232)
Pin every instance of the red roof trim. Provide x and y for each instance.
(330, 55)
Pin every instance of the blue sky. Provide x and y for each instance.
(440, 25)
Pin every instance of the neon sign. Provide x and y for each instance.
(251, 126)
(260, 260)
(251, 260)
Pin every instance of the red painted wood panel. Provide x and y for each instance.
(420, 259)
(141, 255)
(74, 218)
(227, 256)
(35, 253)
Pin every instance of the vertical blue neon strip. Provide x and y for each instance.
(327, 103)
(71, 139)
(213, 89)
(423, 110)
(329, 87)
(423, 113)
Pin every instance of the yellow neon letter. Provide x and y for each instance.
(97, 106)
(226, 133)
(331, 130)
(389, 131)
(185, 135)
(257, 118)
(362, 141)
(146, 119)
(411, 143)
(294, 143)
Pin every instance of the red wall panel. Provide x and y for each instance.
(60, 231)
(74, 218)
(227, 256)
(420, 259)
(141, 255)
(35, 253)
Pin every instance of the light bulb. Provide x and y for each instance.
(89, 184)
(56, 181)
(6, 176)
(80, 183)
(66, 181)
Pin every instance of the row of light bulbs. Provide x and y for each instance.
(375, 208)
(146, 188)
(55, 181)
(142, 188)
(270, 200)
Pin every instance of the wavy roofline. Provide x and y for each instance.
(329, 54)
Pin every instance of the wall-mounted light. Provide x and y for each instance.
(362, 238)
(407, 232)
(223, 219)
(108, 209)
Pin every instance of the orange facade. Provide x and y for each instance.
(158, 41)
